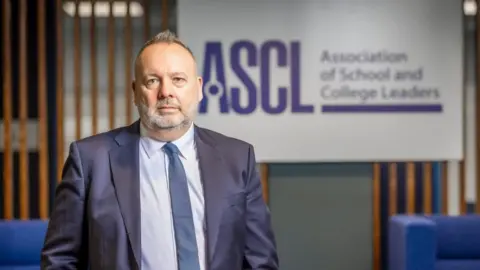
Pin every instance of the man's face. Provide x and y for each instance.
(167, 89)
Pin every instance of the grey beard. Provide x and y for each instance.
(153, 125)
(150, 122)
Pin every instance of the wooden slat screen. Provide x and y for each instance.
(411, 188)
(462, 188)
(94, 69)
(97, 12)
(23, 115)
(26, 180)
(103, 80)
(146, 20)
(27, 175)
(7, 112)
(59, 96)
(444, 188)
(393, 182)
(377, 223)
(111, 66)
(77, 63)
(43, 193)
(128, 65)
(427, 187)
(477, 113)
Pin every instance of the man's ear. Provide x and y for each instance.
(200, 88)
(134, 92)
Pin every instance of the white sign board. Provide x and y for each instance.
(319, 81)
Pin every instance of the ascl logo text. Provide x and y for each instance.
(259, 94)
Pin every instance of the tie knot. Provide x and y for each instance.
(171, 149)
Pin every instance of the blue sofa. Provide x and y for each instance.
(434, 242)
(21, 244)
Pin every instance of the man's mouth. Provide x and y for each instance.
(167, 108)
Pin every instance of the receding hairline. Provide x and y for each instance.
(165, 37)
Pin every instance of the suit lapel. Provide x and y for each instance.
(212, 174)
(124, 165)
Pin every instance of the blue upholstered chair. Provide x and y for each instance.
(434, 242)
(21, 243)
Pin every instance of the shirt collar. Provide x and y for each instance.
(152, 146)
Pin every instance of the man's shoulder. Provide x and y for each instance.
(223, 140)
(98, 142)
(234, 151)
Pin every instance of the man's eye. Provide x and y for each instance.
(151, 81)
(178, 79)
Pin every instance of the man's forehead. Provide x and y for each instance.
(154, 53)
(165, 50)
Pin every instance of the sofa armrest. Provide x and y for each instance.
(21, 242)
(411, 243)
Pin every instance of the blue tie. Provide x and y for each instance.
(187, 253)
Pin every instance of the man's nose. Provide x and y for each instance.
(165, 90)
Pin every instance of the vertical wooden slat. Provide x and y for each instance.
(410, 188)
(146, 19)
(376, 217)
(461, 189)
(7, 113)
(59, 91)
(445, 188)
(93, 70)
(427, 187)
(462, 164)
(77, 71)
(23, 114)
(477, 114)
(111, 66)
(42, 112)
(264, 174)
(164, 14)
(128, 65)
(392, 187)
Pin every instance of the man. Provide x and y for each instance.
(163, 193)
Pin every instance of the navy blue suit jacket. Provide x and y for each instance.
(95, 221)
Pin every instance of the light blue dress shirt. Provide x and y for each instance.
(157, 232)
